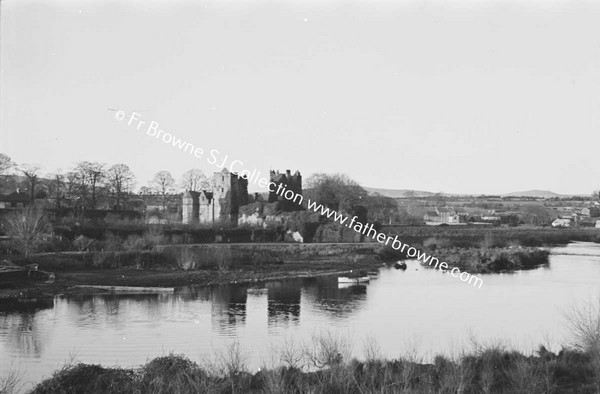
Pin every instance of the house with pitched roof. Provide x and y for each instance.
(442, 216)
(14, 200)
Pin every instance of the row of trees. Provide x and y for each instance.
(87, 182)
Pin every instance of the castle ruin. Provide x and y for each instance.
(230, 192)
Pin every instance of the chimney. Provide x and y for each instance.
(288, 173)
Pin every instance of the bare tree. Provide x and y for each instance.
(72, 184)
(31, 172)
(194, 180)
(163, 183)
(56, 186)
(91, 176)
(120, 182)
(5, 163)
(28, 229)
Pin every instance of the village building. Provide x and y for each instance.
(442, 216)
(14, 200)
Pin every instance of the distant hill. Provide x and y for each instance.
(403, 193)
(398, 193)
(535, 194)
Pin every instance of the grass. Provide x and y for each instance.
(488, 260)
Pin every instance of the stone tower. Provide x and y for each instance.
(230, 193)
(190, 207)
(290, 182)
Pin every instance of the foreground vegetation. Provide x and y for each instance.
(486, 370)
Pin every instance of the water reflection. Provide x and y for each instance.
(109, 309)
(26, 305)
(20, 325)
(338, 301)
(228, 308)
(194, 293)
(23, 334)
(284, 302)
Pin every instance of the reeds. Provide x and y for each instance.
(190, 258)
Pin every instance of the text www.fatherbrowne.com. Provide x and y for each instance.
(236, 166)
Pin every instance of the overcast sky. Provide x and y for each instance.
(462, 97)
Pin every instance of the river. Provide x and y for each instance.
(419, 312)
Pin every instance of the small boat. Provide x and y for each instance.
(400, 265)
(358, 279)
(360, 276)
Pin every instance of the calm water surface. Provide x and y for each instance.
(417, 310)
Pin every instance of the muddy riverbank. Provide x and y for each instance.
(192, 265)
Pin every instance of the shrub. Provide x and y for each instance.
(112, 243)
(434, 243)
(154, 236)
(82, 378)
(491, 369)
(172, 374)
(28, 228)
(585, 324)
(56, 243)
(82, 243)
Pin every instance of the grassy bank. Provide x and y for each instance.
(474, 236)
(493, 260)
(175, 266)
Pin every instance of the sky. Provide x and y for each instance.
(444, 96)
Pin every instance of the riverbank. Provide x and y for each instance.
(489, 236)
(190, 265)
(475, 250)
(485, 370)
